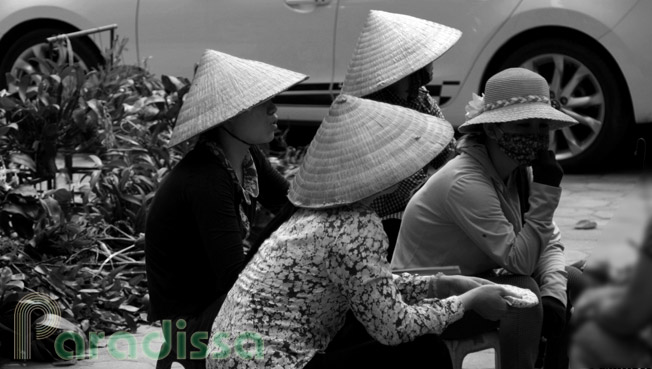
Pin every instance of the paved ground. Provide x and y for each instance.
(585, 197)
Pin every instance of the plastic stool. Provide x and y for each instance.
(458, 349)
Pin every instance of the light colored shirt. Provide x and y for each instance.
(295, 292)
(465, 215)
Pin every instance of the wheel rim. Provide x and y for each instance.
(26, 62)
(574, 90)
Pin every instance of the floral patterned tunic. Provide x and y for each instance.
(292, 298)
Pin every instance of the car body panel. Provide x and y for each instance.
(318, 38)
(202, 24)
(306, 30)
(631, 46)
(80, 15)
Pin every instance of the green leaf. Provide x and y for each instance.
(5, 276)
(41, 269)
(96, 160)
(8, 103)
(171, 83)
(129, 308)
(25, 160)
(132, 199)
(25, 191)
(18, 277)
(4, 130)
(89, 290)
(62, 195)
(155, 99)
(20, 285)
(54, 209)
(23, 85)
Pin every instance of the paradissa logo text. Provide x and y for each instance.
(124, 345)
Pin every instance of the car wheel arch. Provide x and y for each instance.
(9, 38)
(551, 32)
(547, 34)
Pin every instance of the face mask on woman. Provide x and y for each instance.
(521, 147)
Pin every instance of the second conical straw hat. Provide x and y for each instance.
(225, 86)
(392, 46)
(363, 147)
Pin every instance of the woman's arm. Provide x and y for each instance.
(475, 207)
(211, 196)
(550, 272)
(355, 263)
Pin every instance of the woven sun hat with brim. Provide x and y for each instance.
(511, 95)
(364, 147)
(225, 86)
(393, 46)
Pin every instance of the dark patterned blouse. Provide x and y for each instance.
(248, 189)
(292, 298)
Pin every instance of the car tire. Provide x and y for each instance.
(17, 57)
(585, 85)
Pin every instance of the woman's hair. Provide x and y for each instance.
(281, 217)
(418, 79)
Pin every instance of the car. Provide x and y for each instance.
(595, 54)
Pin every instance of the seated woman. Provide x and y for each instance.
(486, 209)
(392, 63)
(201, 214)
(329, 257)
(614, 322)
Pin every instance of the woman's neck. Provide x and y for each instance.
(503, 164)
(234, 151)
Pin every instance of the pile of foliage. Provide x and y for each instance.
(82, 246)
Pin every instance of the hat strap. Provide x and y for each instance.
(515, 100)
(236, 137)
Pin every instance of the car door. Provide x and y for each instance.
(293, 34)
(479, 20)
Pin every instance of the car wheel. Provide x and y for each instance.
(19, 57)
(583, 84)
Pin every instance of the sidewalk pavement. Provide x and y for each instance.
(584, 197)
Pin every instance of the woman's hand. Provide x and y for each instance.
(487, 300)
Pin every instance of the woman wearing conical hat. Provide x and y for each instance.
(326, 255)
(392, 63)
(491, 208)
(202, 212)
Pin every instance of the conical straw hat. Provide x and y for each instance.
(363, 147)
(516, 94)
(392, 46)
(225, 86)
